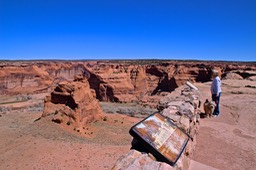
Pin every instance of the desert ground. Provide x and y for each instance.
(225, 142)
(229, 141)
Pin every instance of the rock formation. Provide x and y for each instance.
(239, 74)
(144, 82)
(117, 81)
(72, 104)
(36, 76)
(23, 79)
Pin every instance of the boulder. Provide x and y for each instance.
(135, 160)
(252, 78)
(232, 76)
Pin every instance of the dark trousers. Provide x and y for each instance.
(216, 99)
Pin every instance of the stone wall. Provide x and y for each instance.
(181, 106)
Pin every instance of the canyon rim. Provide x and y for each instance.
(116, 95)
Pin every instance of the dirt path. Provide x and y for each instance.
(229, 141)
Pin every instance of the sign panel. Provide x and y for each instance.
(161, 137)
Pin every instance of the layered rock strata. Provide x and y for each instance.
(181, 107)
(117, 81)
(72, 104)
(36, 76)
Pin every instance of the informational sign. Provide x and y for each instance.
(161, 137)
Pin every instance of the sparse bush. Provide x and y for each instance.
(68, 123)
(105, 118)
(132, 115)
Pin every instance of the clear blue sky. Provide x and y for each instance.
(128, 29)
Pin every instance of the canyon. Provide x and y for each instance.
(43, 103)
(116, 81)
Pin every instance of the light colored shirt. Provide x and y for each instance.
(215, 88)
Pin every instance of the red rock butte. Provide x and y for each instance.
(73, 104)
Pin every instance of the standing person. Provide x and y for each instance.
(216, 91)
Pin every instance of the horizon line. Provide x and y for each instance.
(128, 59)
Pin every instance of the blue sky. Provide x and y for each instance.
(126, 29)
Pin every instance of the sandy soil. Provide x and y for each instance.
(229, 141)
(29, 144)
(226, 142)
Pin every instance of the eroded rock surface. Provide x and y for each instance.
(72, 104)
(117, 81)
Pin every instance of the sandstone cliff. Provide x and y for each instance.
(117, 81)
(133, 81)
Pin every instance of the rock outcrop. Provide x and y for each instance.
(117, 81)
(23, 79)
(36, 76)
(239, 75)
(72, 104)
(232, 76)
(128, 81)
(123, 83)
